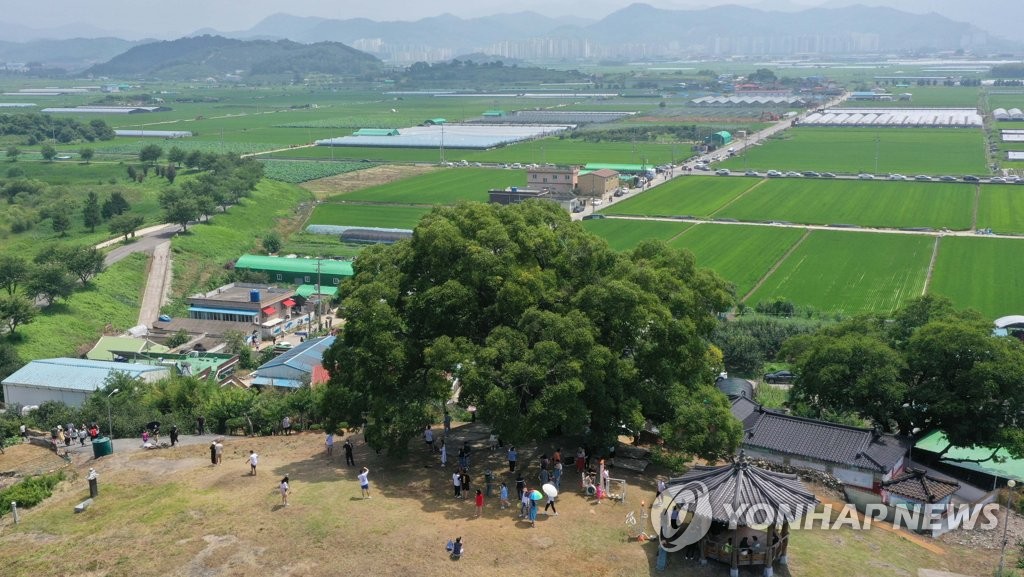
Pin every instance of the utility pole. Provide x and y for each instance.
(876, 154)
(319, 297)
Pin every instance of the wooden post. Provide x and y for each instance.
(701, 544)
(734, 571)
(784, 544)
(769, 556)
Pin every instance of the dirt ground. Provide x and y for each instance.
(360, 179)
(170, 512)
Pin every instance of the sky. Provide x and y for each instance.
(136, 19)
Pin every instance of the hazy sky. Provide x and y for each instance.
(174, 18)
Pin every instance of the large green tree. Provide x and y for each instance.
(91, 213)
(14, 271)
(50, 282)
(16, 310)
(179, 206)
(535, 321)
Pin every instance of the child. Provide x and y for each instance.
(456, 549)
(479, 502)
(145, 436)
(364, 483)
(284, 491)
(253, 460)
(503, 496)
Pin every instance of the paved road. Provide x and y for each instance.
(158, 283)
(146, 240)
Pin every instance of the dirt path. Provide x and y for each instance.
(775, 266)
(158, 283)
(931, 266)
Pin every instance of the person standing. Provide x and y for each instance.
(544, 462)
(201, 425)
(503, 495)
(544, 477)
(81, 435)
(513, 456)
(286, 425)
(330, 443)
(254, 460)
(520, 486)
(447, 423)
(479, 502)
(348, 453)
(556, 476)
(428, 438)
(581, 459)
(457, 483)
(24, 433)
(557, 458)
(660, 497)
(465, 483)
(364, 483)
(533, 512)
(220, 451)
(174, 435)
(213, 453)
(444, 455)
(524, 504)
(285, 489)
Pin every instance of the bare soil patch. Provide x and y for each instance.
(360, 179)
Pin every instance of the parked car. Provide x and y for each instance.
(811, 174)
(947, 178)
(779, 377)
(897, 177)
(723, 172)
(971, 178)
(923, 178)
(866, 176)
(793, 174)
(594, 217)
(752, 173)
(773, 174)
(618, 192)
(597, 202)
(828, 175)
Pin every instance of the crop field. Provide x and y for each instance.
(866, 203)
(296, 171)
(740, 254)
(851, 272)
(925, 97)
(686, 196)
(368, 215)
(1001, 208)
(982, 273)
(625, 234)
(908, 151)
(442, 186)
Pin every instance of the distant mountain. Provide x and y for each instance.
(216, 56)
(72, 55)
(18, 33)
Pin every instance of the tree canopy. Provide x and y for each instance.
(533, 320)
(931, 367)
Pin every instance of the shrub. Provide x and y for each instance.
(31, 491)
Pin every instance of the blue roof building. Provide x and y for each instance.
(295, 367)
(70, 381)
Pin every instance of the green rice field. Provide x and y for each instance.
(443, 186)
(625, 234)
(885, 204)
(368, 215)
(981, 273)
(741, 254)
(909, 151)
(698, 196)
(1001, 208)
(851, 272)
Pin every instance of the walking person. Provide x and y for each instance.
(213, 453)
(444, 455)
(503, 495)
(550, 503)
(81, 435)
(447, 423)
(465, 483)
(544, 477)
(364, 483)
(201, 425)
(24, 433)
(581, 459)
(428, 439)
(513, 456)
(286, 425)
(479, 502)
(457, 484)
(220, 451)
(520, 486)
(556, 476)
(285, 489)
(348, 453)
(533, 512)
(524, 504)
(330, 443)
(254, 460)
(174, 435)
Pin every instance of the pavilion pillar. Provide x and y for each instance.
(700, 546)
(769, 553)
(734, 570)
(784, 550)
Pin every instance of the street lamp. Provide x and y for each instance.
(110, 419)
(1006, 523)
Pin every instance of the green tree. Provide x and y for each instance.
(14, 271)
(48, 152)
(272, 243)
(9, 360)
(115, 205)
(179, 207)
(176, 156)
(61, 223)
(16, 310)
(193, 159)
(83, 262)
(13, 152)
(86, 154)
(125, 224)
(150, 154)
(92, 215)
(546, 328)
(50, 282)
(179, 338)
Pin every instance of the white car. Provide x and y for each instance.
(865, 176)
(597, 202)
(897, 177)
(723, 172)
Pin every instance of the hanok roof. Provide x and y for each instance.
(104, 349)
(289, 368)
(920, 486)
(735, 387)
(739, 486)
(74, 374)
(821, 440)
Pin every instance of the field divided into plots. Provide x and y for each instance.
(740, 254)
(982, 273)
(349, 214)
(851, 272)
(865, 203)
(698, 196)
(625, 234)
(1001, 208)
(443, 186)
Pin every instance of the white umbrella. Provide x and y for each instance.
(550, 490)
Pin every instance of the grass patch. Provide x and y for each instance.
(853, 150)
(69, 328)
(981, 273)
(687, 196)
(323, 245)
(741, 254)
(296, 171)
(625, 234)
(444, 186)
(368, 215)
(866, 203)
(850, 272)
(1001, 208)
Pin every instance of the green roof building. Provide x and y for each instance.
(105, 348)
(619, 168)
(721, 138)
(376, 132)
(297, 271)
(307, 290)
(493, 113)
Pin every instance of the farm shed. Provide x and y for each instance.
(957, 462)
(295, 367)
(104, 349)
(599, 183)
(859, 457)
(722, 138)
(1000, 114)
(376, 132)
(296, 270)
(154, 133)
(69, 381)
